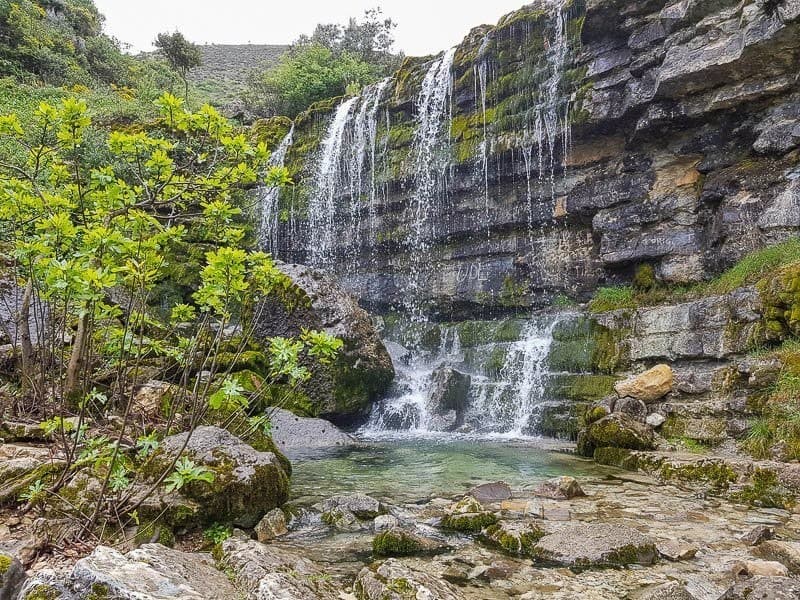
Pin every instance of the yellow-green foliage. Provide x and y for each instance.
(779, 424)
(774, 270)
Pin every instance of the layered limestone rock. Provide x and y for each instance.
(681, 122)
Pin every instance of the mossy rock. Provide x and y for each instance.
(271, 131)
(581, 388)
(780, 295)
(469, 522)
(477, 333)
(615, 431)
(764, 490)
(517, 539)
(246, 483)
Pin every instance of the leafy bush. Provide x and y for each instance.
(91, 238)
(306, 75)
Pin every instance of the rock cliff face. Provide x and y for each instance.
(553, 152)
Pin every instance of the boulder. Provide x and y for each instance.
(759, 568)
(363, 507)
(392, 580)
(649, 386)
(615, 431)
(595, 545)
(636, 409)
(487, 493)
(292, 433)
(363, 371)
(447, 398)
(757, 535)
(20, 466)
(559, 488)
(12, 576)
(247, 483)
(398, 541)
(516, 538)
(655, 420)
(272, 526)
(786, 553)
(270, 572)
(151, 572)
(676, 550)
(384, 522)
(149, 398)
(468, 516)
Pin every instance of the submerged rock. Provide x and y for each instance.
(675, 550)
(491, 492)
(649, 386)
(596, 545)
(268, 572)
(668, 591)
(398, 541)
(392, 580)
(247, 483)
(362, 506)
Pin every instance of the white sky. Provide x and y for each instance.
(424, 26)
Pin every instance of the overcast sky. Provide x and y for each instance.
(424, 26)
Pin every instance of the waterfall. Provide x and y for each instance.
(511, 406)
(344, 177)
(504, 403)
(430, 150)
(329, 184)
(268, 197)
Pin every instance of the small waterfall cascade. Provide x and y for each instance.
(504, 398)
(512, 404)
(346, 177)
(430, 151)
(268, 197)
(548, 120)
(330, 180)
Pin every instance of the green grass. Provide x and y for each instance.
(748, 271)
(613, 298)
(754, 266)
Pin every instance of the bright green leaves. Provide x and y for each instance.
(10, 126)
(229, 397)
(323, 346)
(223, 282)
(186, 472)
(73, 122)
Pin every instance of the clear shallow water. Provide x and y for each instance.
(412, 470)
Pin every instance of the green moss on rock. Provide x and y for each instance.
(764, 490)
(469, 522)
(396, 542)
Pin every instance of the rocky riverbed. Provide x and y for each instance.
(605, 534)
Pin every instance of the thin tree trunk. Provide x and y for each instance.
(24, 334)
(77, 358)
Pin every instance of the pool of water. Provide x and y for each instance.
(410, 470)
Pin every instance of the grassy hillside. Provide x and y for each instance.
(223, 75)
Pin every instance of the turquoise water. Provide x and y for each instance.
(414, 470)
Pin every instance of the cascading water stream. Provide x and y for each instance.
(268, 197)
(345, 176)
(329, 184)
(506, 404)
(430, 150)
